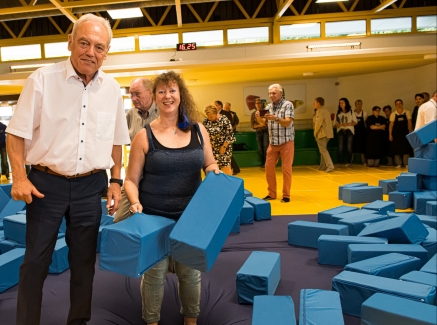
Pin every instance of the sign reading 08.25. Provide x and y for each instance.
(186, 46)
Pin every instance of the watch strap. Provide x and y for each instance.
(116, 180)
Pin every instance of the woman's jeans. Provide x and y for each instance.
(152, 290)
(345, 138)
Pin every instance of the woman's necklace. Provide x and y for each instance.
(175, 130)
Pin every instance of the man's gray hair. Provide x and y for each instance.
(147, 83)
(277, 86)
(93, 18)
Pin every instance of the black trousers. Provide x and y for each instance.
(79, 200)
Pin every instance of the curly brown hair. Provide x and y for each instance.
(187, 107)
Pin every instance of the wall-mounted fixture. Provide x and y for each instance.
(27, 67)
(320, 46)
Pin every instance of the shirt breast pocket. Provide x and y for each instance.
(105, 126)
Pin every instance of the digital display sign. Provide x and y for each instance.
(186, 47)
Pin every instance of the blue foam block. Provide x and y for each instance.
(134, 245)
(325, 216)
(59, 257)
(400, 230)
(341, 187)
(388, 185)
(420, 277)
(319, 307)
(428, 151)
(409, 182)
(63, 226)
(431, 265)
(4, 199)
(262, 209)
(211, 221)
(431, 208)
(362, 194)
(392, 265)
(106, 220)
(430, 242)
(6, 188)
(246, 214)
(21, 212)
(15, 228)
(354, 288)
(429, 183)
(278, 310)
(428, 220)
(247, 193)
(7, 245)
(306, 233)
(402, 200)
(2, 236)
(422, 166)
(420, 199)
(359, 252)
(356, 224)
(384, 309)
(259, 275)
(12, 207)
(333, 248)
(236, 226)
(423, 135)
(99, 239)
(104, 208)
(10, 268)
(335, 218)
(1, 223)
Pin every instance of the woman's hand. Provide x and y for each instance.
(136, 207)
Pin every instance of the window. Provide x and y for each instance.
(426, 23)
(345, 28)
(54, 50)
(21, 52)
(299, 31)
(159, 41)
(205, 38)
(248, 35)
(122, 44)
(390, 25)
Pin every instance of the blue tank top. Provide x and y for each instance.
(171, 176)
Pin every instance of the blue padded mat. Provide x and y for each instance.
(247, 193)
(423, 135)
(306, 233)
(409, 182)
(15, 228)
(4, 199)
(362, 194)
(420, 277)
(325, 216)
(59, 257)
(392, 265)
(259, 275)
(7, 245)
(388, 185)
(6, 188)
(132, 246)
(333, 248)
(211, 221)
(236, 226)
(341, 187)
(428, 151)
(356, 224)
(428, 220)
(355, 288)
(420, 199)
(359, 252)
(10, 268)
(430, 242)
(429, 183)
(402, 200)
(400, 230)
(278, 310)
(380, 206)
(12, 207)
(422, 166)
(431, 265)
(262, 209)
(319, 307)
(335, 218)
(431, 208)
(246, 214)
(383, 309)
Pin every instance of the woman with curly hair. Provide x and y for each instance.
(221, 136)
(345, 121)
(170, 153)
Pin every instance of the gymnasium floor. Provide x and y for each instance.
(311, 190)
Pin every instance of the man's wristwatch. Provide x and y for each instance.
(116, 180)
(277, 119)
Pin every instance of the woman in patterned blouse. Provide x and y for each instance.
(221, 136)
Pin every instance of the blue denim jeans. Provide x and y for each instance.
(345, 138)
(152, 290)
(262, 139)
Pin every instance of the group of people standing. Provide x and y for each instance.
(373, 137)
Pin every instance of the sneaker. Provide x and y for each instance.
(329, 170)
(321, 168)
(268, 198)
(398, 166)
(285, 200)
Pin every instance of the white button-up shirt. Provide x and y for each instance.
(67, 126)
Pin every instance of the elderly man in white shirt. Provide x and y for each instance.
(69, 125)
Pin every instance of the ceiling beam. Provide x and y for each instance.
(258, 9)
(282, 9)
(66, 12)
(195, 13)
(178, 12)
(383, 5)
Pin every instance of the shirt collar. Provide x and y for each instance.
(72, 73)
(279, 104)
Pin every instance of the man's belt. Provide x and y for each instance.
(51, 172)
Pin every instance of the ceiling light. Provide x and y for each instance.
(125, 13)
(323, 1)
(383, 5)
(27, 67)
(351, 44)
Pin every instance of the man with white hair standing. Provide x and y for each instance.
(69, 125)
(279, 119)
